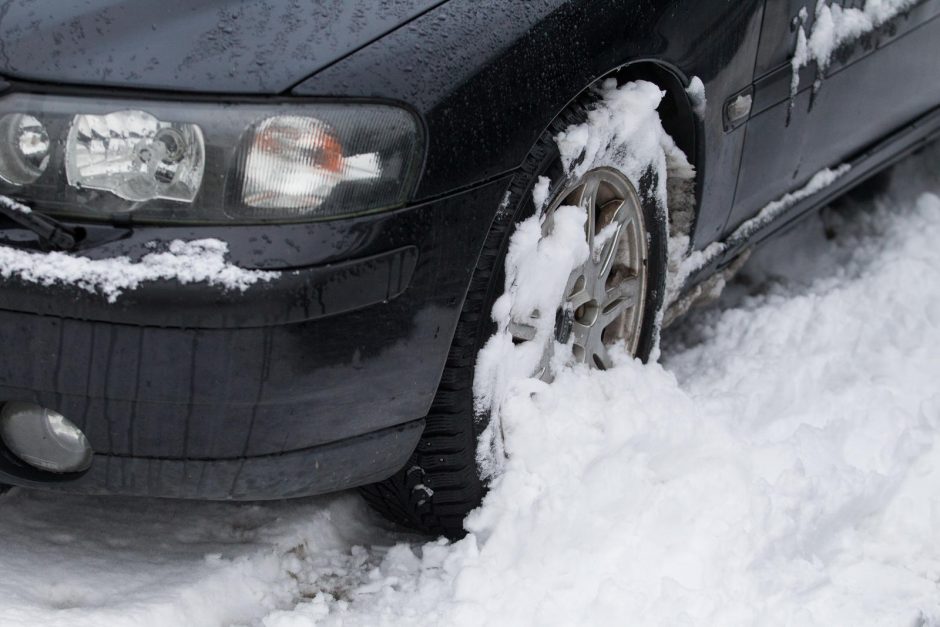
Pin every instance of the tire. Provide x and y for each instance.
(441, 482)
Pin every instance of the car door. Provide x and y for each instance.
(875, 85)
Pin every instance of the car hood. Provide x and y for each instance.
(245, 47)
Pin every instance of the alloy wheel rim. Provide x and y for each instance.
(605, 297)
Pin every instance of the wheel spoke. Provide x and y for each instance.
(581, 297)
(615, 212)
(586, 198)
(576, 283)
(619, 298)
(543, 371)
(609, 253)
(580, 334)
(627, 289)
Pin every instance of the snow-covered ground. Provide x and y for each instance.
(780, 466)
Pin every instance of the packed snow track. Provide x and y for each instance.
(780, 465)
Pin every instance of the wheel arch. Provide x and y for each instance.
(681, 121)
(677, 112)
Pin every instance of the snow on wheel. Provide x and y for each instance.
(604, 297)
(573, 272)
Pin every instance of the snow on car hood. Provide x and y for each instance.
(259, 46)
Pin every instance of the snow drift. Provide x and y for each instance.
(781, 467)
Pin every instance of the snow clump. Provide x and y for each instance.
(835, 26)
(696, 92)
(196, 261)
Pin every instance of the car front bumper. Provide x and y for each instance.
(315, 381)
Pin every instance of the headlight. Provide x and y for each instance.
(151, 161)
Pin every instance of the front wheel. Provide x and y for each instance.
(604, 299)
(612, 297)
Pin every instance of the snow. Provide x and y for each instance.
(696, 93)
(835, 26)
(11, 204)
(504, 203)
(540, 192)
(817, 183)
(623, 131)
(695, 260)
(800, 54)
(537, 271)
(196, 261)
(779, 466)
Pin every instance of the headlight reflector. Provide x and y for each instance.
(135, 156)
(24, 148)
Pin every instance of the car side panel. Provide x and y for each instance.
(489, 76)
(872, 89)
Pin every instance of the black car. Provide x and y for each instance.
(356, 170)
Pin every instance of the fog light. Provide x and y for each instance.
(44, 439)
